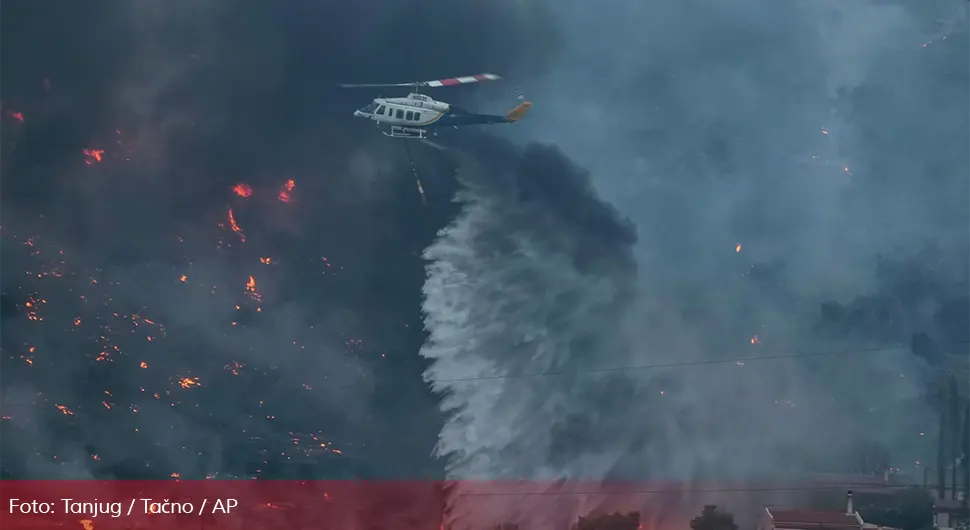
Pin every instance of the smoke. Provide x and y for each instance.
(182, 103)
(770, 156)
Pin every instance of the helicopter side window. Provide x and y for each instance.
(409, 116)
(380, 110)
(400, 114)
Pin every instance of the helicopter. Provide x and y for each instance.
(416, 114)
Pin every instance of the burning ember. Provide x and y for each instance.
(93, 155)
(251, 290)
(235, 226)
(243, 190)
(287, 188)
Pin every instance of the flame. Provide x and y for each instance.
(265, 261)
(251, 290)
(737, 247)
(243, 190)
(235, 226)
(87, 524)
(182, 278)
(93, 155)
(64, 410)
(188, 382)
(287, 188)
(143, 364)
(754, 339)
(19, 116)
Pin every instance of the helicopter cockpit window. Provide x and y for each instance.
(369, 109)
(380, 110)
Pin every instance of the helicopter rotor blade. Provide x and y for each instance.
(449, 81)
(452, 81)
(368, 85)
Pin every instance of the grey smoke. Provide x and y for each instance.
(818, 135)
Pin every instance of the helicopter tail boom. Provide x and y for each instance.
(518, 112)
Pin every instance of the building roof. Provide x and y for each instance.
(814, 519)
(947, 505)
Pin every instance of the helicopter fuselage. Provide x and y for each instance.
(417, 113)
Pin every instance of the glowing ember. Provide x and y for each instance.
(737, 247)
(754, 339)
(265, 261)
(93, 155)
(235, 226)
(251, 290)
(19, 116)
(64, 410)
(182, 278)
(287, 188)
(143, 364)
(243, 190)
(188, 382)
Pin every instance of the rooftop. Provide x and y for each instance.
(814, 519)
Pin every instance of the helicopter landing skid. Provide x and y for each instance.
(406, 132)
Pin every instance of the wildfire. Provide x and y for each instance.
(287, 188)
(189, 382)
(64, 410)
(265, 261)
(143, 364)
(235, 226)
(243, 190)
(251, 289)
(19, 116)
(737, 248)
(93, 155)
(754, 339)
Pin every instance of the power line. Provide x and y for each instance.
(878, 349)
(862, 488)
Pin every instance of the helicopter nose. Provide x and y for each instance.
(358, 113)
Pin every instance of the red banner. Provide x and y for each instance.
(349, 505)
